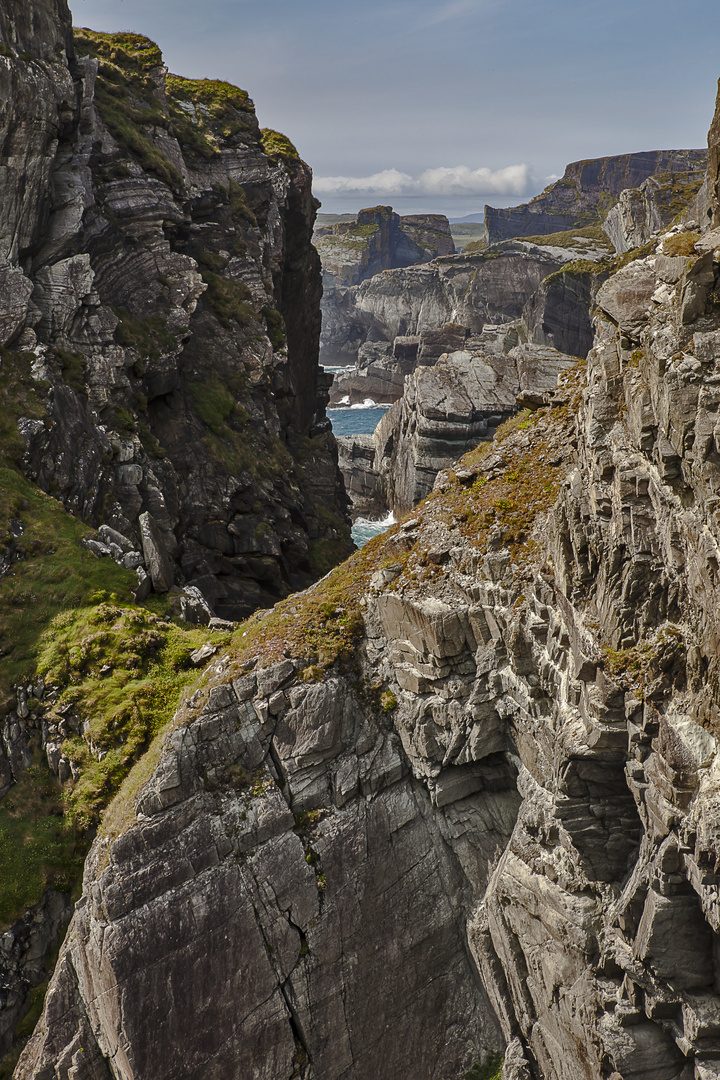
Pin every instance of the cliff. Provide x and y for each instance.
(379, 239)
(163, 439)
(158, 276)
(459, 797)
(470, 290)
(588, 189)
(446, 409)
(488, 743)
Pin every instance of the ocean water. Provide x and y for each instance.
(365, 528)
(357, 419)
(361, 420)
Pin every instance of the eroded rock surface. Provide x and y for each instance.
(446, 409)
(523, 781)
(159, 281)
(580, 196)
(379, 239)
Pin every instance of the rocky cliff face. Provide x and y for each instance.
(588, 189)
(446, 409)
(469, 780)
(470, 290)
(158, 272)
(379, 239)
(641, 212)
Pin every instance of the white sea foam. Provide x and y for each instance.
(365, 528)
(368, 403)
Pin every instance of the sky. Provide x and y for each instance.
(439, 106)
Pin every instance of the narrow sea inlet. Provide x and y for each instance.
(361, 420)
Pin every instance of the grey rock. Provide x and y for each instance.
(576, 198)
(194, 607)
(199, 656)
(155, 554)
(16, 291)
(626, 296)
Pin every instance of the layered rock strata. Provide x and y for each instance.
(379, 239)
(446, 410)
(157, 268)
(529, 766)
(469, 290)
(587, 190)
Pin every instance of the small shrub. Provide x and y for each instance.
(388, 701)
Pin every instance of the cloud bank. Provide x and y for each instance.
(455, 180)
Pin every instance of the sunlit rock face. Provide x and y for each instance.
(587, 190)
(464, 793)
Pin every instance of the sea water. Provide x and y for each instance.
(361, 420)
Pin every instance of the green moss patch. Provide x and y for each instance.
(230, 300)
(681, 244)
(221, 109)
(278, 146)
(150, 336)
(570, 238)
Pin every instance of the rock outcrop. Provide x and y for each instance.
(469, 290)
(641, 212)
(587, 190)
(379, 239)
(157, 269)
(446, 410)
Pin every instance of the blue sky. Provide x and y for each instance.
(443, 106)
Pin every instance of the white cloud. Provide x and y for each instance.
(387, 182)
(456, 180)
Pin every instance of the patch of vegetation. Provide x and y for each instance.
(220, 109)
(73, 369)
(127, 96)
(214, 404)
(122, 670)
(277, 146)
(660, 657)
(388, 701)
(241, 209)
(475, 247)
(680, 244)
(150, 336)
(490, 1069)
(230, 300)
(38, 846)
(133, 52)
(275, 327)
(587, 236)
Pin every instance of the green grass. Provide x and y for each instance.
(38, 845)
(222, 110)
(150, 336)
(570, 237)
(214, 404)
(277, 146)
(275, 326)
(126, 96)
(230, 300)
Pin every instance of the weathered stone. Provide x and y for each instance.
(155, 554)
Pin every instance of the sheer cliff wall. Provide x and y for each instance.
(158, 272)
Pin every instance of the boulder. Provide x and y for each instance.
(157, 560)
